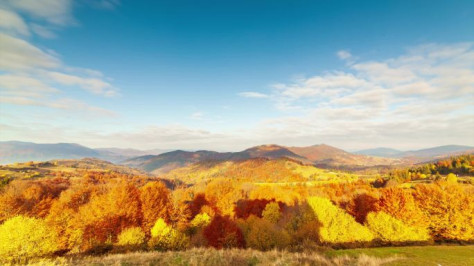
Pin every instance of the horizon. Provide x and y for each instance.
(229, 76)
(249, 147)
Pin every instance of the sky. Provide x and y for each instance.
(227, 75)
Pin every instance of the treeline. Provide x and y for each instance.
(462, 165)
(111, 212)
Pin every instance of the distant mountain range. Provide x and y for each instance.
(419, 155)
(161, 161)
(320, 155)
(18, 151)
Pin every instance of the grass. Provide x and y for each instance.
(416, 255)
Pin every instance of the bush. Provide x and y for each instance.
(132, 236)
(390, 229)
(22, 238)
(164, 237)
(337, 225)
(452, 178)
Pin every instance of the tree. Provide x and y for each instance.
(449, 208)
(165, 237)
(224, 233)
(201, 220)
(361, 205)
(337, 225)
(399, 203)
(132, 236)
(155, 203)
(22, 238)
(271, 212)
(263, 235)
(390, 229)
(107, 214)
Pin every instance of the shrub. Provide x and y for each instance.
(132, 236)
(337, 225)
(164, 237)
(451, 178)
(390, 229)
(224, 233)
(22, 238)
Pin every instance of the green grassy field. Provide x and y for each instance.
(417, 255)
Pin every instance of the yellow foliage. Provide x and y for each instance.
(263, 235)
(272, 212)
(390, 229)
(131, 236)
(337, 225)
(164, 237)
(22, 238)
(201, 220)
(452, 178)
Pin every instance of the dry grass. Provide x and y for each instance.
(195, 257)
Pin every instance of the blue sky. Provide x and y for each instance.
(226, 75)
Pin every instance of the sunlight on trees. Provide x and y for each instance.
(389, 229)
(22, 238)
(338, 226)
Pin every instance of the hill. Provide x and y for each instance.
(18, 151)
(328, 156)
(321, 155)
(437, 152)
(255, 170)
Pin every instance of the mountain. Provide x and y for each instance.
(166, 162)
(321, 155)
(417, 156)
(437, 152)
(381, 152)
(18, 151)
(325, 155)
(118, 155)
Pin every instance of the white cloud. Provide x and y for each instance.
(12, 22)
(43, 31)
(422, 97)
(252, 94)
(343, 54)
(94, 85)
(19, 55)
(33, 76)
(53, 11)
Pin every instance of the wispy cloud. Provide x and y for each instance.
(252, 94)
(34, 76)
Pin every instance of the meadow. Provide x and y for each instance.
(425, 255)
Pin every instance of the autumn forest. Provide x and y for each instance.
(73, 207)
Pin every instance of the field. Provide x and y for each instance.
(418, 255)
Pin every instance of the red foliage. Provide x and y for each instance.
(222, 232)
(197, 203)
